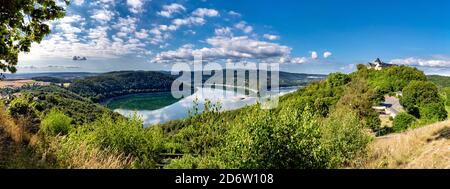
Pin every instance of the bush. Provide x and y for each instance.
(56, 123)
(402, 122)
(23, 106)
(128, 136)
(291, 139)
(433, 112)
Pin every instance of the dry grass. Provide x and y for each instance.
(14, 149)
(423, 148)
(85, 157)
(22, 149)
(14, 130)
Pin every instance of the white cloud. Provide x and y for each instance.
(169, 10)
(125, 26)
(142, 34)
(191, 32)
(78, 2)
(299, 60)
(102, 15)
(442, 62)
(224, 31)
(244, 27)
(158, 36)
(271, 37)
(135, 6)
(223, 48)
(96, 44)
(204, 12)
(327, 54)
(189, 21)
(233, 13)
(314, 55)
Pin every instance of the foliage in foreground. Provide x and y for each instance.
(123, 137)
(55, 123)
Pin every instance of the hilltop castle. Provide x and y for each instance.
(378, 65)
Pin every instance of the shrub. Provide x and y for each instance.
(292, 139)
(55, 122)
(128, 136)
(402, 122)
(433, 112)
(343, 137)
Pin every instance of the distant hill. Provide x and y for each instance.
(112, 84)
(60, 75)
(440, 81)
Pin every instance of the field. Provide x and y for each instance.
(147, 101)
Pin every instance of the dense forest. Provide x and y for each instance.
(114, 84)
(327, 124)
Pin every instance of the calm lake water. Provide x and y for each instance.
(180, 109)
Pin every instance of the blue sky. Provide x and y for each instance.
(309, 36)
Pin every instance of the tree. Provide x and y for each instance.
(338, 79)
(22, 22)
(55, 123)
(433, 111)
(402, 122)
(419, 93)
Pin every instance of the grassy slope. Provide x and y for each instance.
(425, 147)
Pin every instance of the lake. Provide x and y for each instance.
(168, 111)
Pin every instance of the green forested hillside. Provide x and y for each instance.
(443, 83)
(114, 84)
(36, 102)
(440, 81)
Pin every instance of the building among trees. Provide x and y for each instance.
(379, 65)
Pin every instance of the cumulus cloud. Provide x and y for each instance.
(314, 55)
(98, 46)
(299, 60)
(125, 26)
(224, 31)
(135, 6)
(102, 16)
(78, 2)
(142, 34)
(223, 48)
(271, 37)
(244, 27)
(189, 21)
(168, 10)
(442, 62)
(204, 12)
(327, 54)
